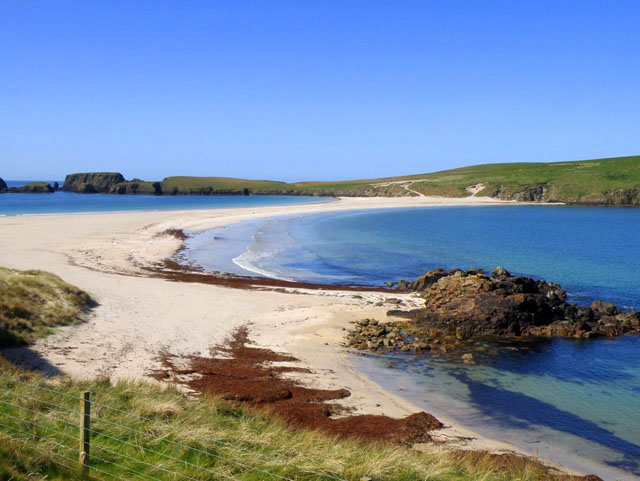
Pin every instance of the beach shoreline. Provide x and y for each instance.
(138, 316)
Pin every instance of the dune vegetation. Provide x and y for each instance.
(32, 303)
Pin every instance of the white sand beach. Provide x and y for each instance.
(138, 317)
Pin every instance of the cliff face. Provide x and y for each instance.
(3, 185)
(552, 193)
(90, 183)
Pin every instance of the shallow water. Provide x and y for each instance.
(70, 203)
(575, 402)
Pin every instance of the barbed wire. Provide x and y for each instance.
(165, 425)
(41, 426)
(102, 434)
(33, 435)
(93, 456)
(219, 442)
(14, 393)
(48, 452)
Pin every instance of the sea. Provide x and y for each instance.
(573, 402)
(71, 203)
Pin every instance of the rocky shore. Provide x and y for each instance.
(463, 306)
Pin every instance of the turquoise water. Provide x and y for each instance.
(573, 402)
(69, 203)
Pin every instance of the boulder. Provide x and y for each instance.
(92, 182)
(500, 272)
(604, 307)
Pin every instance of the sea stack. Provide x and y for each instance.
(92, 182)
(3, 185)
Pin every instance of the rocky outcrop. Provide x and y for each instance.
(91, 183)
(472, 304)
(622, 197)
(33, 188)
(521, 193)
(464, 309)
(56, 187)
(3, 185)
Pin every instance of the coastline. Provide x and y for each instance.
(138, 317)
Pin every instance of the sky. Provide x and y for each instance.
(313, 90)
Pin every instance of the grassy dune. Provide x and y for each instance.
(32, 303)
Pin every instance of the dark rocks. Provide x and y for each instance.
(424, 281)
(33, 188)
(472, 304)
(603, 307)
(92, 182)
(56, 187)
(500, 272)
(3, 185)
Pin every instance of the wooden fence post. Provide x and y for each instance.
(85, 433)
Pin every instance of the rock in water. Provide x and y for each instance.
(92, 182)
(33, 188)
(3, 185)
(472, 304)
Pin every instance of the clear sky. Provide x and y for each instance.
(317, 90)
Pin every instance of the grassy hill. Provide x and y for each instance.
(601, 181)
(611, 181)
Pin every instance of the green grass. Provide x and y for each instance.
(197, 437)
(32, 303)
(599, 181)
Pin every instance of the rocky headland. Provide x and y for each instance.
(463, 306)
(92, 182)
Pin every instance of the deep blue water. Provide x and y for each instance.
(575, 402)
(69, 203)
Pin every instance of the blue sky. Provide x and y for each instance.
(313, 90)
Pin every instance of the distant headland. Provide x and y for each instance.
(610, 181)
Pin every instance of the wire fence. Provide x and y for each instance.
(94, 441)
